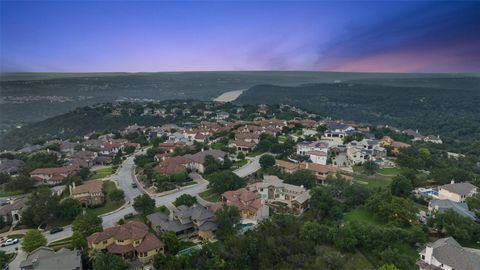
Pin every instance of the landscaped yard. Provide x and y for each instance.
(61, 243)
(108, 187)
(101, 173)
(372, 182)
(15, 236)
(210, 196)
(239, 163)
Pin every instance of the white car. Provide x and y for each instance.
(9, 242)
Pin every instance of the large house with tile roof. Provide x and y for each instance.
(89, 193)
(249, 203)
(53, 176)
(130, 241)
(447, 254)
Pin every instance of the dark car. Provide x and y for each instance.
(134, 185)
(56, 230)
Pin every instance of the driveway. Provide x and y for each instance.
(250, 168)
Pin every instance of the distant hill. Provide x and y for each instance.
(440, 106)
(31, 97)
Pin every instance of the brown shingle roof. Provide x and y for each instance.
(287, 165)
(92, 186)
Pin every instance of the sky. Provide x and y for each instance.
(149, 36)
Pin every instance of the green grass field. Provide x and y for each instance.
(210, 196)
(372, 182)
(108, 187)
(389, 171)
(101, 173)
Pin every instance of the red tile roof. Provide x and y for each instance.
(243, 199)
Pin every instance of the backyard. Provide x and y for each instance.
(109, 205)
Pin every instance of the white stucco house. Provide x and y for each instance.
(456, 192)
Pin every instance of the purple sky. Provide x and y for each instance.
(64, 36)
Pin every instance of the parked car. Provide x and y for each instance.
(134, 185)
(9, 242)
(56, 230)
(42, 227)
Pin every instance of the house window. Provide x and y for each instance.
(423, 257)
(120, 241)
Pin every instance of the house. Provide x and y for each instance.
(242, 145)
(287, 167)
(197, 160)
(185, 222)
(46, 258)
(90, 193)
(440, 206)
(111, 147)
(433, 139)
(398, 145)
(10, 166)
(252, 210)
(279, 195)
(53, 176)
(317, 151)
(415, 134)
(12, 213)
(447, 254)
(83, 158)
(131, 240)
(319, 170)
(337, 130)
(172, 165)
(456, 192)
(222, 116)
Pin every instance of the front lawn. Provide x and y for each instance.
(109, 205)
(239, 163)
(210, 196)
(101, 173)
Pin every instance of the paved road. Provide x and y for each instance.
(250, 168)
(125, 177)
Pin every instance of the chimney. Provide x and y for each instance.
(428, 254)
(83, 149)
(452, 182)
(306, 165)
(70, 188)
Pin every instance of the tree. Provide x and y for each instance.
(87, 224)
(267, 161)
(69, 209)
(84, 173)
(211, 164)
(4, 259)
(185, 199)
(172, 244)
(344, 239)
(241, 156)
(401, 186)
(227, 219)
(4, 178)
(227, 163)
(43, 207)
(78, 241)
(302, 178)
(389, 208)
(32, 240)
(225, 180)
(459, 227)
(316, 232)
(369, 167)
(108, 261)
(116, 195)
(144, 204)
(21, 182)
